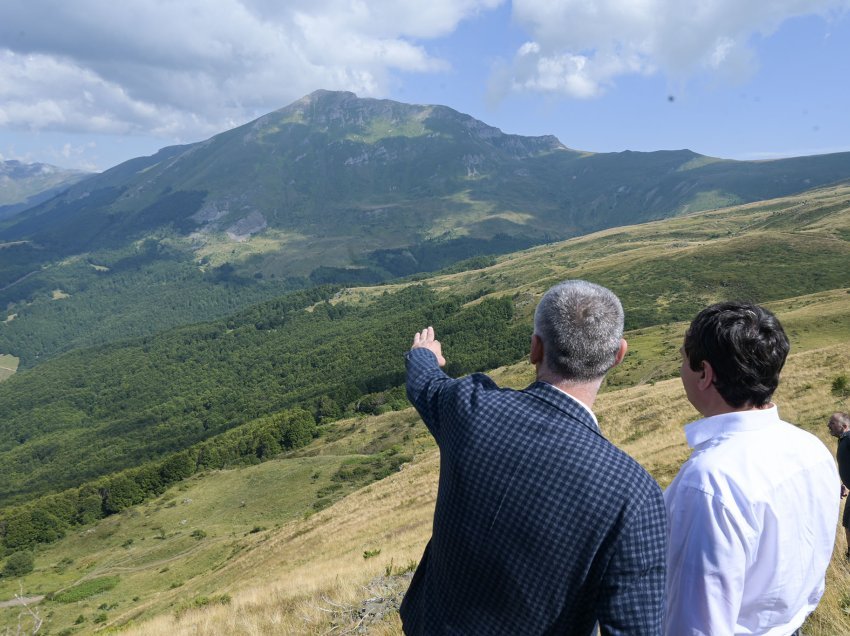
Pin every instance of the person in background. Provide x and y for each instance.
(839, 426)
(541, 525)
(753, 511)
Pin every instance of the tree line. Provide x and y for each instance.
(49, 517)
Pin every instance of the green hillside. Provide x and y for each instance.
(144, 399)
(330, 189)
(284, 546)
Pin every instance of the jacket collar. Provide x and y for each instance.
(564, 402)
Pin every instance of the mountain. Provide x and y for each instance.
(333, 181)
(330, 189)
(23, 185)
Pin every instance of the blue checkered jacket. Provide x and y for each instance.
(541, 525)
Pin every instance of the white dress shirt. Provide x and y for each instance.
(753, 515)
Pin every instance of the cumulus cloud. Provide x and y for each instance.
(578, 48)
(189, 69)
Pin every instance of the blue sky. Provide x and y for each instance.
(96, 83)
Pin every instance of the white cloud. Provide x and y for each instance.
(189, 69)
(580, 47)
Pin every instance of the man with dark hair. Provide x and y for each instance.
(541, 526)
(839, 426)
(753, 511)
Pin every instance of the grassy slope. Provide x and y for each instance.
(304, 569)
(8, 366)
(296, 575)
(312, 577)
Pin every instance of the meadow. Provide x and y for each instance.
(8, 366)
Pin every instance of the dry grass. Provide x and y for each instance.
(292, 582)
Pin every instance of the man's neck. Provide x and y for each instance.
(722, 408)
(584, 392)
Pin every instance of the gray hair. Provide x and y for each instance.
(842, 419)
(581, 325)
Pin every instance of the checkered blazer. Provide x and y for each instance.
(541, 525)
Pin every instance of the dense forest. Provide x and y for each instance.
(108, 295)
(93, 412)
(47, 518)
(97, 430)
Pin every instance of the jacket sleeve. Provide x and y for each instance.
(427, 387)
(632, 595)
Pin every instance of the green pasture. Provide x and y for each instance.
(166, 552)
(8, 366)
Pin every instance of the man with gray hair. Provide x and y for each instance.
(839, 426)
(541, 525)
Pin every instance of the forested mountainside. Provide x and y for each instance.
(324, 350)
(167, 535)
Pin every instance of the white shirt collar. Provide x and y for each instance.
(708, 428)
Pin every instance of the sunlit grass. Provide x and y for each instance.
(8, 366)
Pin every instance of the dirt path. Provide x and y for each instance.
(21, 600)
(22, 278)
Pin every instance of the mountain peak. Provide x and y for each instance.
(345, 114)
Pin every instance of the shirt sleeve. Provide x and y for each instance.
(706, 565)
(632, 595)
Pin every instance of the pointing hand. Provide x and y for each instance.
(425, 340)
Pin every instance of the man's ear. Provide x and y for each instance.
(621, 352)
(536, 355)
(706, 378)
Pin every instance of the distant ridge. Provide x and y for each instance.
(332, 189)
(23, 185)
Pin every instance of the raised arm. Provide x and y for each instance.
(425, 380)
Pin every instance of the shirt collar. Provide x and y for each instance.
(576, 400)
(708, 428)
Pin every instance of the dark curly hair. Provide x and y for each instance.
(745, 346)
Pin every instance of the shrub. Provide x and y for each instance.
(202, 601)
(86, 589)
(398, 570)
(840, 386)
(18, 564)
